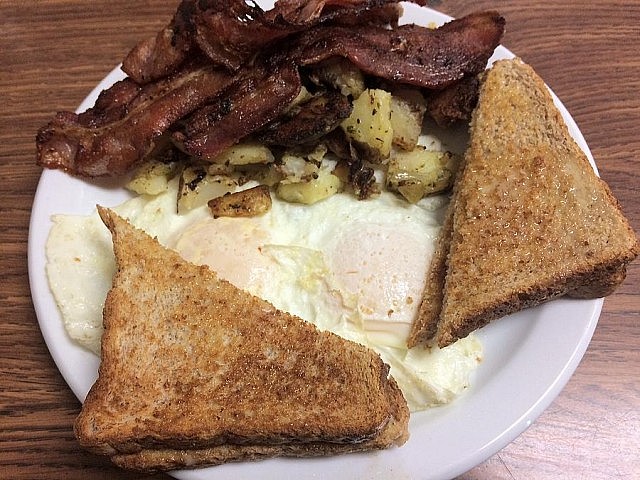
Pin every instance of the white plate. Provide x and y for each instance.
(529, 356)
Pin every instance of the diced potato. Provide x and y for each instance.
(152, 177)
(220, 169)
(342, 75)
(407, 114)
(293, 167)
(421, 172)
(245, 154)
(312, 191)
(297, 168)
(245, 203)
(303, 96)
(197, 187)
(370, 123)
(318, 153)
(263, 174)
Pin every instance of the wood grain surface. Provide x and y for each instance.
(53, 52)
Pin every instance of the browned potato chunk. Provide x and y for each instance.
(342, 75)
(152, 177)
(245, 203)
(245, 154)
(421, 172)
(407, 114)
(197, 186)
(370, 123)
(310, 191)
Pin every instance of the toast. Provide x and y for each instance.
(197, 372)
(529, 220)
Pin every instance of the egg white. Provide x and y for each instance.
(353, 267)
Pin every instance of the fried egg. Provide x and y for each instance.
(354, 267)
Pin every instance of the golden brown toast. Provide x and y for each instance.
(530, 219)
(196, 372)
(150, 460)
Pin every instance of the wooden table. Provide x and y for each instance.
(52, 53)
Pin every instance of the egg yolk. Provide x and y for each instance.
(383, 269)
(233, 249)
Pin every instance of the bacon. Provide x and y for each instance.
(455, 103)
(295, 12)
(410, 54)
(111, 105)
(384, 15)
(206, 108)
(162, 54)
(261, 95)
(110, 141)
(230, 32)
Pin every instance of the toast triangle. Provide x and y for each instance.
(529, 219)
(197, 372)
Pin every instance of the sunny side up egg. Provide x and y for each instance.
(353, 267)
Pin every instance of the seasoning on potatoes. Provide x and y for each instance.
(245, 203)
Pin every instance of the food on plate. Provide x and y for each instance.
(421, 172)
(196, 372)
(369, 125)
(228, 74)
(408, 107)
(327, 263)
(293, 100)
(529, 219)
(454, 103)
(229, 33)
(244, 203)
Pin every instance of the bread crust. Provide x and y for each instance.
(425, 325)
(154, 460)
(191, 363)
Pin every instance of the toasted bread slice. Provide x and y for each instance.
(530, 219)
(151, 460)
(195, 372)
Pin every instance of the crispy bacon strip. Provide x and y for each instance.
(112, 104)
(409, 54)
(259, 97)
(122, 128)
(162, 54)
(454, 103)
(111, 140)
(230, 32)
(384, 15)
(429, 58)
(296, 12)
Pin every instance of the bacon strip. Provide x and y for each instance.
(454, 103)
(162, 54)
(216, 108)
(230, 32)
(104, 142)
(410, 54)
(259, 97)
(429, 58)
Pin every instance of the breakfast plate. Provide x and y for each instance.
(528, 356)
